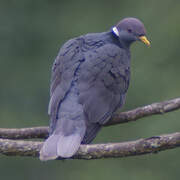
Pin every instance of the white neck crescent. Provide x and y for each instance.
(116, 32)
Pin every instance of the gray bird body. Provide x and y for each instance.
(90, 78)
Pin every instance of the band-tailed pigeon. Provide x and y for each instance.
(90, 78)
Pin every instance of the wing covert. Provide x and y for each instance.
(63, 70)
(103, 82)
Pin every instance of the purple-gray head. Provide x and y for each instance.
(129, 30)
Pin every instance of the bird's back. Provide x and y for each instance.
(90, 77)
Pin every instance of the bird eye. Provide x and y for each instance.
(130, 30)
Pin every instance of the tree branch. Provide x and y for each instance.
(123, 117)
(145, 111)
(97, 151)
(24, 133)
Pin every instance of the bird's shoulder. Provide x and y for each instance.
(65, 64)
(94, 41)
(66, 54)
(98, 46)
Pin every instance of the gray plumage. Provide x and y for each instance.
(90, 78)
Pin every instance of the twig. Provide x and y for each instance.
(123, 117)
(97, 151)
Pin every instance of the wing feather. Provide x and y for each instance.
(62, 76)
(104, 82)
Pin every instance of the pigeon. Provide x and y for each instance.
(90, 79)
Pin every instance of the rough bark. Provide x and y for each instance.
(97, 151)
(24, 133)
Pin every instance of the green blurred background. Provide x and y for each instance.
(31, 33)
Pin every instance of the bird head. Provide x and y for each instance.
(130, 30)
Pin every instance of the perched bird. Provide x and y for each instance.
(90, 78)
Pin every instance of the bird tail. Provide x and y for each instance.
(59, 145)
(64, 141)
(91, 132)
(49, 148)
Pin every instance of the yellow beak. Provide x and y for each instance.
(144, 40)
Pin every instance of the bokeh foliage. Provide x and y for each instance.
(31, 33)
